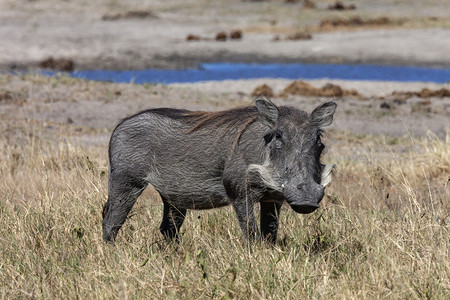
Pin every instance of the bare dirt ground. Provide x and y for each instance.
(141, 34)
(89, 110)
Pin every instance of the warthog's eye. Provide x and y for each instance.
(278, 139)
(319, 145)
(278, 144)
(277, 136)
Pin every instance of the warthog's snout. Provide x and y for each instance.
(305, 208)
(309, 196)
(305, 199)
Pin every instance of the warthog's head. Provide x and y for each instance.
(293, 149)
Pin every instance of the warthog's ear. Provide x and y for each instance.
(323, 114)
(268, 112)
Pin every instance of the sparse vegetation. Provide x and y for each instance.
(382, 231)
(383, 228)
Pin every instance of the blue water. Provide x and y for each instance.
(226, 71)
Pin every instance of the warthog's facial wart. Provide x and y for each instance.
(266, 175)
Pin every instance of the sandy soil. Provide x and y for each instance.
(89, 110)
(155, 36)
(31, 31)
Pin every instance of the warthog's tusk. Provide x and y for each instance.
(326, 174)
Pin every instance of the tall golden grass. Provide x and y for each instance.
(382, 232)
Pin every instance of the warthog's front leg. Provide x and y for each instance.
(269, 220)
(246, 217)
(173, 218)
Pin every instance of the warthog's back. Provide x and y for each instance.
(181, 153)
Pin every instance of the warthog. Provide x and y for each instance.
(203, 160)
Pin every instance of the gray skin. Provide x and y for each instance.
(204, 160)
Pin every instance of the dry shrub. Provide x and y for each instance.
(132, 14)
(263, 91)
(193, 37)
(299, 36)
(357, 22)
(424, 93)
(434, 162)
(236, 34)
(221, 36)
(301, 88)
(398, 175)
(7, 97)
(61, 64)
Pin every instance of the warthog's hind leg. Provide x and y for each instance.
(122, 195)
(269, 220)
(173, 218)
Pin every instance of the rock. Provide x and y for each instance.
(385, 105)
(398, 102)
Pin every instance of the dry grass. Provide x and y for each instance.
(361, 244)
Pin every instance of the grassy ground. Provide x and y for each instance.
(382, 231)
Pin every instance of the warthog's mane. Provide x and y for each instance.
(231, 118)
(235, 120)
